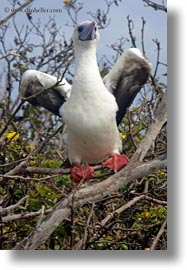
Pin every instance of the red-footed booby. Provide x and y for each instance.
(93, 107)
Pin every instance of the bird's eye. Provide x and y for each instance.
(80, 28)
(95, 28)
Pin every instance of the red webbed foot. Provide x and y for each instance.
(81, 172)
(116, 162)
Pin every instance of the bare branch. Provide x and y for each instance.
(156, 6)
(12, 207)
(3, 21)
(142, 35)
(121, 209)
(155, 200)
(13, 52)
(131, 27)
(161, 231)
(135, 169)
(88, 194)
(13, 217)
(158, 56)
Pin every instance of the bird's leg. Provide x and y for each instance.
(116, 162)
(81, 172)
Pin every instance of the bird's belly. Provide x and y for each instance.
(92, 148)
(92, 132)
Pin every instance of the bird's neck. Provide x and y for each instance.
(86, 63)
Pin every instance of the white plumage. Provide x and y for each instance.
(90, 112)
(45, 81)
(93, 107)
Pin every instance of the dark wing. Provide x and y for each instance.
(126, 78)
(39, 85)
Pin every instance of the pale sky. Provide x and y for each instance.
(156, 24)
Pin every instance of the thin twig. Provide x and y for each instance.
(158, 56)
(28, 178)
(131, 27)
(161, 231)
(13, 217)
(151, 199)
(3, 21)
(121, 209)
(142, 36)
(11, 207)
(87, 224)
(82, 243)
(12, 52)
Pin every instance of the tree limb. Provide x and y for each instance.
(156, 6)
(3, 21)
(135, 169)
(82, 196)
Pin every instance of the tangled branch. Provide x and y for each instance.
(81, 196)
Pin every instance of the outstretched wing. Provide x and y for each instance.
(124, 81)
(126, 78)
(39, 86)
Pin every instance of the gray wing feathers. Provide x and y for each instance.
(124, 81)
(126, 78)
(34, 82)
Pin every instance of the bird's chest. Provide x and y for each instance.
(91, 125)
(90, 111)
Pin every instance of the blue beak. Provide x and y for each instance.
(87, 30)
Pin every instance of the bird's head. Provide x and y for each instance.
(86, 33)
